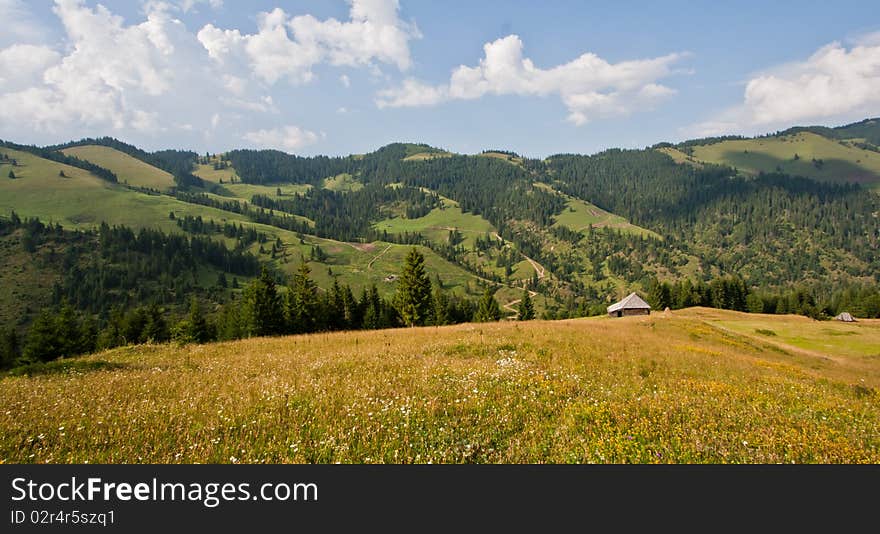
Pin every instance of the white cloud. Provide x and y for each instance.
(589, 86)
(345, 81)
(109, 77)
(289, 47)
(833, 83)
(287, 138)
(188, 5)
(23, 65)
(412, 93)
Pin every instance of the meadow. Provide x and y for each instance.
(128, 169)
(840, 161)
(693, 386)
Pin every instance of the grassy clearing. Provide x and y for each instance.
(855, 341)
(209, 173)
(578, 215)
(343, 183)
(247, 192)
(128, 169)
(842, 162)
(422, 156)
(513, 160)
(649, 390)
(679, 157)
(437, 224)
(379, 263)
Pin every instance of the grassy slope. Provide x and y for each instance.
(343, 182)
(842, 162)
(504, 157)
(128, 169)
(207, 172)
(671, 388)
(579, 214)
(82, 201)
(421, 156)
(679, 157)
(436, 224)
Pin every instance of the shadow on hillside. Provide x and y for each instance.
(832, 170)
(69, 366)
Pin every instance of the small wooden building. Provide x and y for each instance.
(846, 317)
(631, 305)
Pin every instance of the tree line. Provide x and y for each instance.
(263, 309)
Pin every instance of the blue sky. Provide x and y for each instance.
(341, 77)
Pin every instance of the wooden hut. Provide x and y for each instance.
(631, 305)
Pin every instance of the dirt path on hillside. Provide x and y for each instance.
(510, 305)
(535, 265)
(370, 265)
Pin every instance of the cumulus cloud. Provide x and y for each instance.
(287, 138)
(289, 47)
(146, 78)
(107, 62)
(23, 65)
(836, 82)
(589, 86)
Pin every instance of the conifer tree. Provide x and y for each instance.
(373, 310)
(42, 340)
(413, 297)
(488, 309)
(526, 310)
(262, 310)
(302, 302)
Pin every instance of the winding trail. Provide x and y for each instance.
(535, 265)
(370, 265)
(510, 305)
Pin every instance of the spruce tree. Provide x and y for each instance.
(68, 332)
(302, 302)
(441, 307)
(488, 309)
(373, 310)
(413, 297)
(200, 330)
(262, 311)
(42, 340)
(526, 308)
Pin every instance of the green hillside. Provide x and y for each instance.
(81, 201)
(437, 224)
(845, 154)
(579, 215)
(130, 170)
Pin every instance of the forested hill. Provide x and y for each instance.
(576, 231)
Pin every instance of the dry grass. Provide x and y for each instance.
(675, 389)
